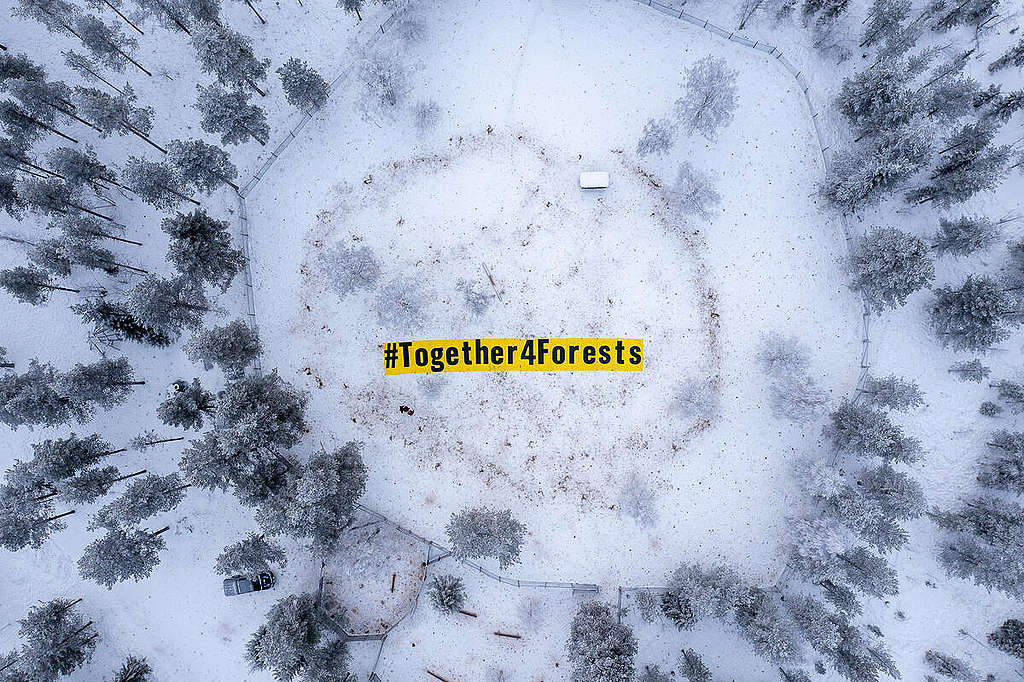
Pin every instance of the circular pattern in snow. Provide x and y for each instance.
(492, 237)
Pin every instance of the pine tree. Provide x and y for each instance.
(154, 182)
(27, 517)
(303, 87)
(232, 347)
(695, 593)
(447, 593)
(972, 317)
(106, 383)
(881, 97)
(950, 666)
(261, 412)
(968, 164)
(1011, 393)
(31, 398)
(652, 673)
(250, 556)
(185, 405)
(859, 178)
(120, 555)
(896, 493)
(1002, 465)
(229, 56)
(893, 393)
(794, 675)
(1003, 107)
(134, 669)
(30, 285)
(815, 622)
(88, 69)
(89, 485)
(885, 19)
(230, 114)
(352, 6)
(970, 370)
(765, 625)
(56, 640)
(107, 43)
(58, 256)
(710, 98)
(866, 518)
(79, 167)
(868, 573)
(56, 459)
(1009, 638)
(290, 643)
(692, 668)
(144, 497)
(116, 318)
(318, 500)
(200, 248)
(168, 305)
(827, 10)
(866, 432)
(200, 166)
(973, 12)
(888, 265)
(481, 532)
(988, 533)
(965, 235)
(1014, 56)
(599, 648)
(115, 113)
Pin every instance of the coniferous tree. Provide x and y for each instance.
(200, 248)
(30, 285)
(888, 265)
(893, 393)
(57, 641)
(31, 398)
(291, 643)
(88, 69)
(106, 383)
(252, 555)
(1002, 465)
(89, 485)
(481, 532)
(229, 56)
(866, 432)
(972, 317)
(963, 13)
(230, 114)
(970, 370)
(859, 178)
(447, 593)
(107, 43)
(600, 648)
(169, 305)
(1011, 393)
(1014, 56)
(79, 167)
(303, 87)
(950, 666)
(885, 19)
(200, 166)
(154, 182)
(134, 669)
(352, 6)
(121, 554)
(118, 319)
(695, 593)
(318, 499)
(653, 673)
(232, 347)
(1009, 638)
(765, 625)
(968, 164)
(986, 535)
(60, 255)
(144, 497)
(1003, 107)
(185, 405)
(965, 235)
(692, 668)
(261, 412)
(115, 113)
(56, 459)
(27, 516)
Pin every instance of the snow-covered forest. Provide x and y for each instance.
(214, 214)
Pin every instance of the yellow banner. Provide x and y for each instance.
(513, 355)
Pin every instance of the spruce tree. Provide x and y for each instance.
(261, 411)
(600, 649)
(200, 248)
(447, 593)
(144, 497)
(232, 347)
(134, 669)
(765, 625)
(318, 500)
(478, 533)
(1002, 464)
(695, 593)
(117, 318)
(250, 556)
(200, 166)
(965, 235)
(122, 554)
(304, 88)
(893, 393)
(888, 265)
(185, 405)
(291, 642)
(1009, 638)
(1013, 56)
(973, 316)
(692, 668)
(230, 114)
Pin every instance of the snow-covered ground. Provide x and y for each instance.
(531, 93)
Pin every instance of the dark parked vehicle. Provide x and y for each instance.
(239, 584)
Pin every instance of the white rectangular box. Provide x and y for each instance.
(593, 179)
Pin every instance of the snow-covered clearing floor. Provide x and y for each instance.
(576, 80)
